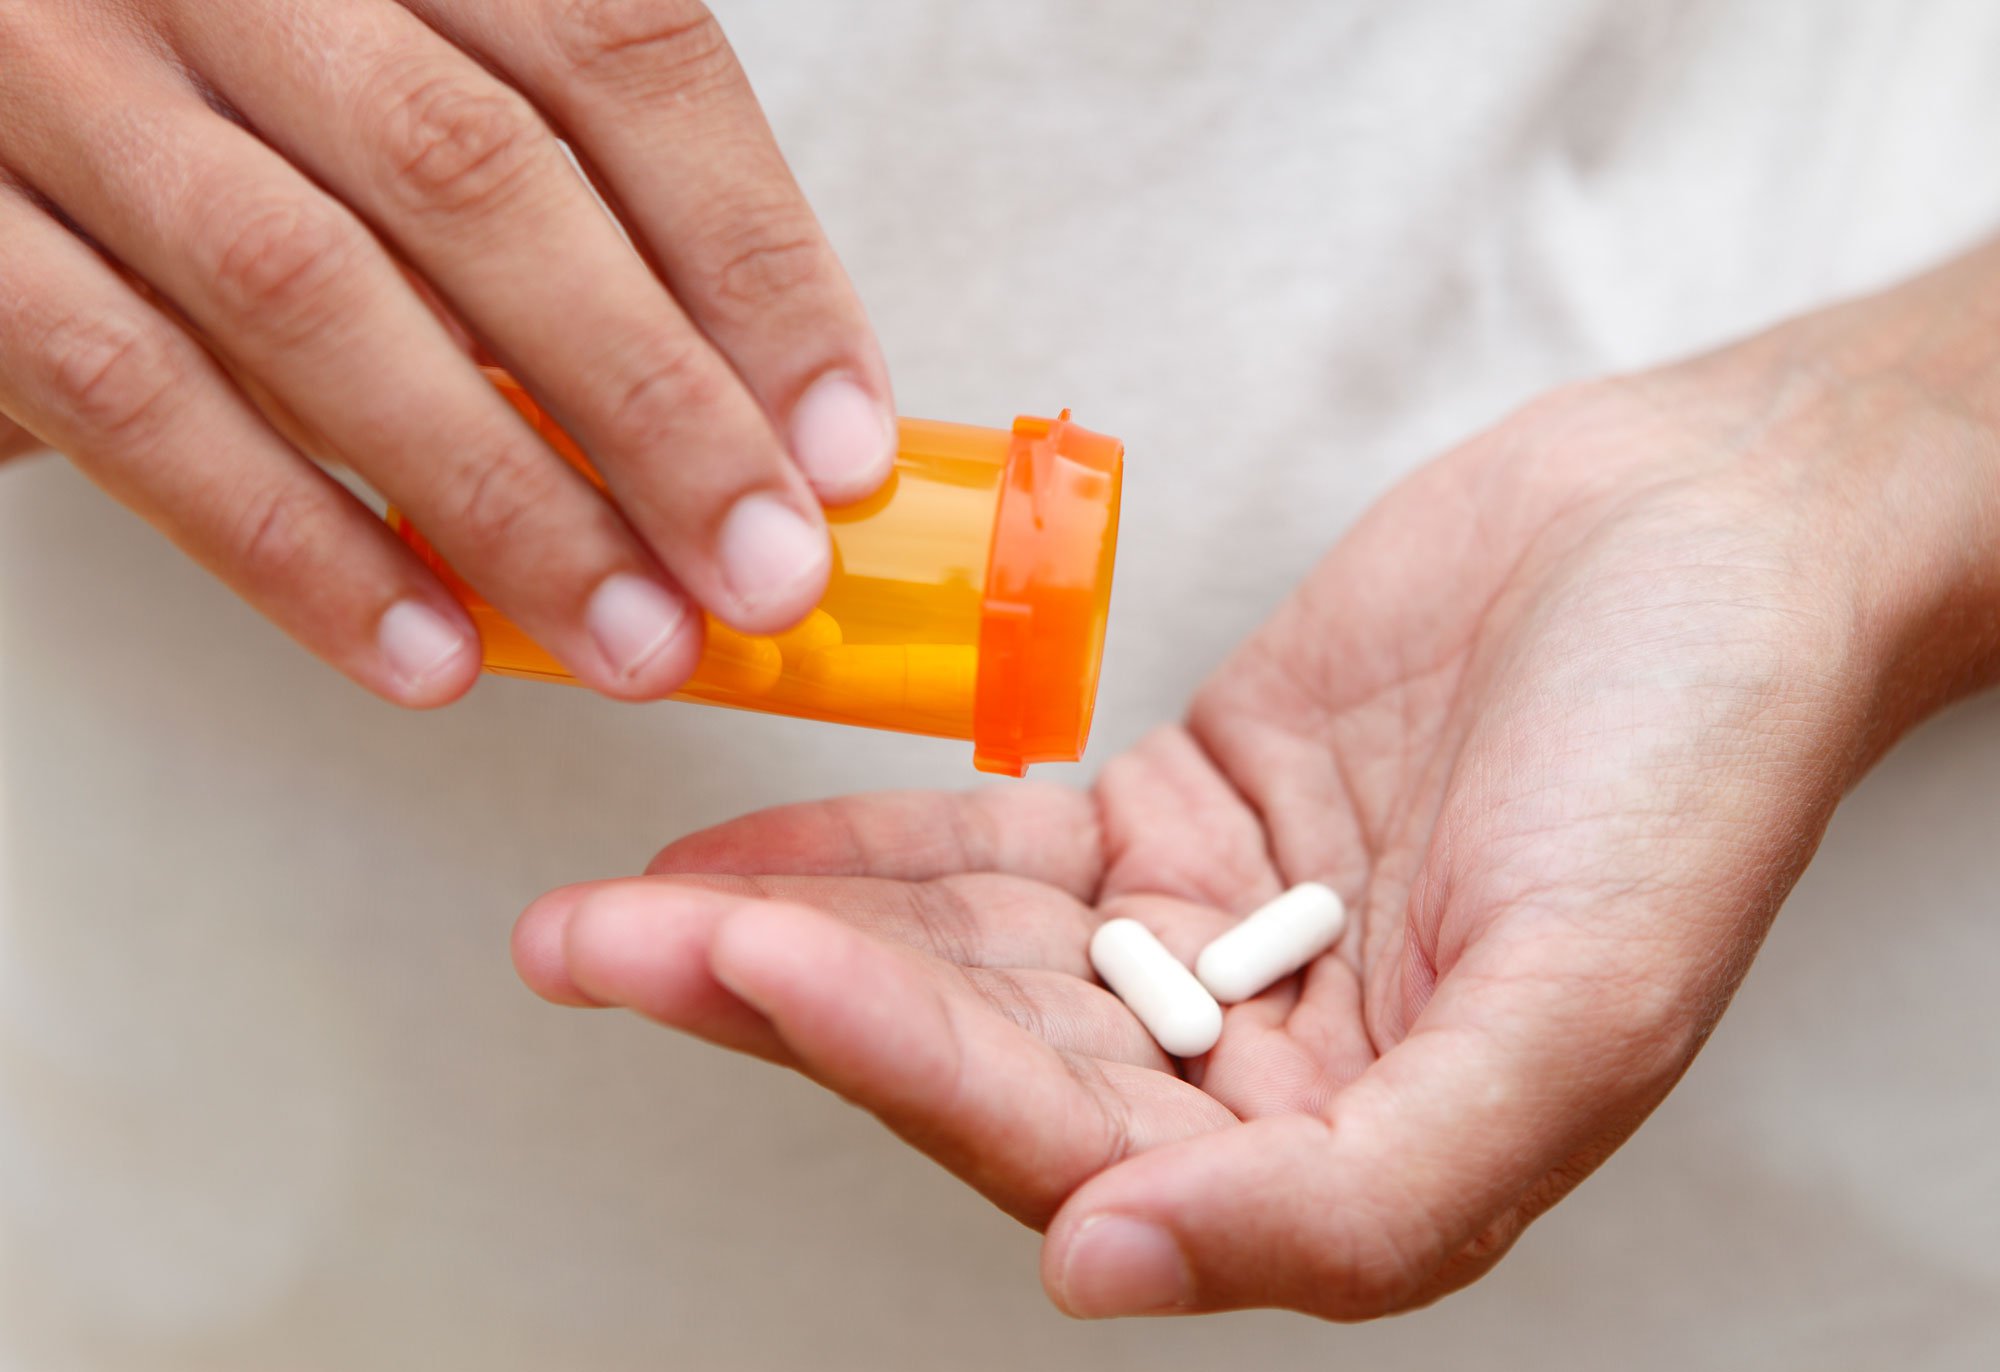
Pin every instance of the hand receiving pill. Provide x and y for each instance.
(1563, 718)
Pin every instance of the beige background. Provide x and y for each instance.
(270, 1097)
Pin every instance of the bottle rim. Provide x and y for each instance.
(1048, 595)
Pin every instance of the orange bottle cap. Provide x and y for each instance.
(1048, 592)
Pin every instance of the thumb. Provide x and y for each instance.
(1411, 1183)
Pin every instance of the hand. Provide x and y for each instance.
(15, 440)
(320, 204)
(1564, 718)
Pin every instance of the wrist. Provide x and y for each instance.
(1868, 438)
(1896, 465)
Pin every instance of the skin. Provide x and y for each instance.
(1564, 718)
(15, 441)
(238, 237)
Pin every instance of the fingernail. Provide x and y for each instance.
(1119, 1266)
(769, 552)
(418, 643)
(843, 439)
(632, 619)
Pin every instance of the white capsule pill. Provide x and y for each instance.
(1272, 943)
(1182, 1018)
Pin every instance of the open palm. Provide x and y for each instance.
(1563, 718)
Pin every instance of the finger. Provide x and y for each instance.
(648, 950)
(1043, 833)
(1175, 826)
(1075, 1017)
(536, 946)
(644, 945)
(147, 415)
(464, 177)
(285, 283)
(1291, 1049)
(15, 440)
(657, 105)
(1413, 1180)
(1183, 926)
(1019, 1121)
(991, 922)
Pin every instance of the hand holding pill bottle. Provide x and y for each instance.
(968, 597)
(247, 241)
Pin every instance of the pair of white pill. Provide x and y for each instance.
(1182, 1010)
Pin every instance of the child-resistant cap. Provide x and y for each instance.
(1048, 595)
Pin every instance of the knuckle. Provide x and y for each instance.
(755, 267)
(492, 505)
(675, 381)
(674, 40)
(455, 146)
(281, 530)
(1378, 1277)
(115, 377)
(280, 262)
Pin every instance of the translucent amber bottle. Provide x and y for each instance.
(968, 597)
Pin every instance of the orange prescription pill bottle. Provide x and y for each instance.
(967, 599)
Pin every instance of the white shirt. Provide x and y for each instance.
(271, 1097)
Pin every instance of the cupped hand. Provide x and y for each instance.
(235, 232)
(1563, 718)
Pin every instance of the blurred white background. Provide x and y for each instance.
(271, 1098)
